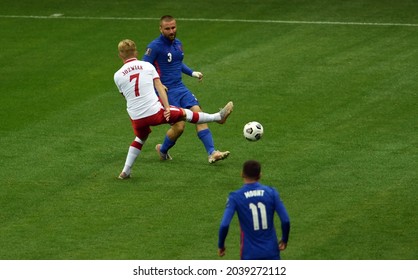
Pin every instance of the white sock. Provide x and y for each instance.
(203, 117)
(130, 159)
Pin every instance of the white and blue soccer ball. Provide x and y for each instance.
(253, 131)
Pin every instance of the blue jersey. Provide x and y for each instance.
(255, 205)
(167, 57)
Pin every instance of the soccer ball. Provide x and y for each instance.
(253, 131)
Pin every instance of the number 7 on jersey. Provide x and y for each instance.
(136, 77)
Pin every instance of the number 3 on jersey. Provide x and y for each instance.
(136, 77)
(254, 210)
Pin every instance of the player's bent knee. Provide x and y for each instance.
(196, 108)
(179, 126)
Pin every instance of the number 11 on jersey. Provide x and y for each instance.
(260, 208)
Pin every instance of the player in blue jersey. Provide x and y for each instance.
(166, 54)
(255, 204)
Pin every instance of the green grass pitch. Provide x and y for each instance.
(334, 84)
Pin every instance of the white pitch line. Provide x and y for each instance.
(302, 22)
(59, 16)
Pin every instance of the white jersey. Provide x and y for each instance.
(135, 80)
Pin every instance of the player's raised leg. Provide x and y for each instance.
(197, 117)
(202, 117)
(226, 111)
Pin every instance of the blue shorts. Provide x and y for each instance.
(182, 97)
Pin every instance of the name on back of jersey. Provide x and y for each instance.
(132, 68)
(254, 193)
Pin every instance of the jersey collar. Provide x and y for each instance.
(129, 60)
(166, 40)
(252, 185)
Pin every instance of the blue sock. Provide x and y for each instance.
(206, 137)
(167, 144)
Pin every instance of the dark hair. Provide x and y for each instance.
(251, 169)
(166, 18)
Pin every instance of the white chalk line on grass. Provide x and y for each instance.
(60, 16)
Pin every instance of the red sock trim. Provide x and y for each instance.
(195, 117)
(136, 145)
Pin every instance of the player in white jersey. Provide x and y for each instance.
(136, 81)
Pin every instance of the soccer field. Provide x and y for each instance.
(334, 84)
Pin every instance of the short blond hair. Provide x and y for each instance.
(127, 49)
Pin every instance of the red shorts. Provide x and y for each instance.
(142, 127)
